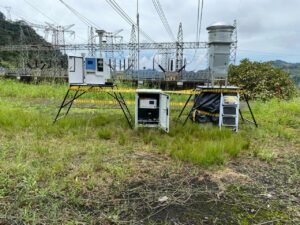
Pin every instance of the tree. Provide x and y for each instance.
(261, 80)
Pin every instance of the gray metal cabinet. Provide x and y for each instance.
(152, 109)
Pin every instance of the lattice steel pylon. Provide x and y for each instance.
(164, 58)
(233, 49)
(58, 34)
(91, 42)
(133, 51)
(110, 54)
(58, 39)
(179, 49)
(23, 60)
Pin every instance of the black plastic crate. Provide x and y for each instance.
(229, 110)
(229, 121)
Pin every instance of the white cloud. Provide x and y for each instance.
(264, 26)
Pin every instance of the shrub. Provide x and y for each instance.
(262, 80)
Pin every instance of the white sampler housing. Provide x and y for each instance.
(88, 71)
(219, 46)
(152, 109)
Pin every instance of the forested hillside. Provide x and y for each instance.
(292, 68)
(16, 33)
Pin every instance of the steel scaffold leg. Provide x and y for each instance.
(69, 103)
(251, 112)
(61, 106)
(186, 103)
(116, 95)
(192, 109)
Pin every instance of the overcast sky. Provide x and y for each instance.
(267, 29)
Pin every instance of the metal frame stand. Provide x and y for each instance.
(251, 112)
(194, 107)
(114, 94)
(185, 105)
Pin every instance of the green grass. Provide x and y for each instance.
(279, 118)
(11, 88)
(199, 144)
(45, 168)
(44, 90)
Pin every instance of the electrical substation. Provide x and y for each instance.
(103, 67)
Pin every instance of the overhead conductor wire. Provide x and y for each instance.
(199, 26)
(125, 16)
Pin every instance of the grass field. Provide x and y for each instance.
(91, 168)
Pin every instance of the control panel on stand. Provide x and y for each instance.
(88, 71)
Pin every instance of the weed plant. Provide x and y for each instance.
(46, 169)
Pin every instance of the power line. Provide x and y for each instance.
(35, 8)
(163, 18)
(125, 16)
(199, 26)
(20, 15)
(80, 16)
(199, 19)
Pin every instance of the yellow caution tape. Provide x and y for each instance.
(207, 113)
(131, 90)
(184, 92)
(101, 89)
(113, 102)
(102, 102)
(222, 90)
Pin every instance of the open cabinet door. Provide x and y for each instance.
(75, 65)
(164, 106)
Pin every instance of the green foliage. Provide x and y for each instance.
(15, 33)
(262, 80)
(292, 68)
(60, 174)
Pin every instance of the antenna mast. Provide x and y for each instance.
(138, 36)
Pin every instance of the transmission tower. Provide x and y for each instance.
(91, 42)
(45, 28)
(119, 56)
(133, 51)
(164, 58)
(58, 39)
(179, 48)
(58, 34)
(23, 60)
(110, 55)
(233, 49)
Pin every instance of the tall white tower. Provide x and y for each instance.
(219, 42)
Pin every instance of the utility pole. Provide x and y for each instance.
(234, 44)
(179, 48)
(24, 54)
(138, 36)
(91, 41)
(133, 53)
